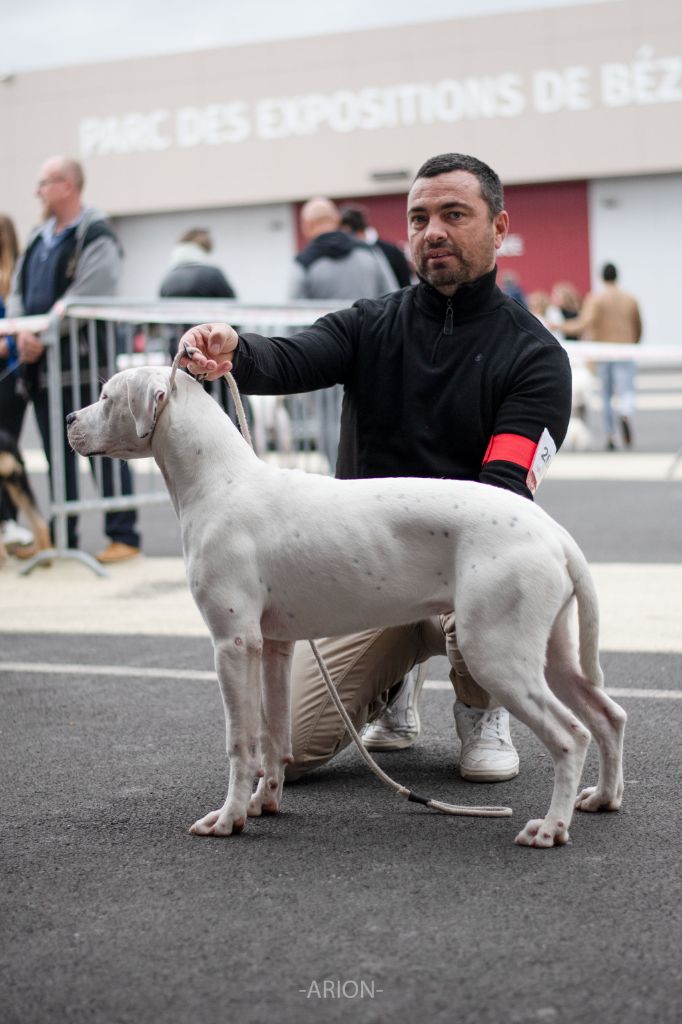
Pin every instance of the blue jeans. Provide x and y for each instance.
(617, 381)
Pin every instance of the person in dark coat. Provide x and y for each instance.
(354, 219)
(191, 274)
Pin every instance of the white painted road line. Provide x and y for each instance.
(660, 401)
(194, 675)
(127, 671)
(627, 691)
(633, 467)
(668, 381)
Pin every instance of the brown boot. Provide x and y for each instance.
(24, 550)
(117, 552)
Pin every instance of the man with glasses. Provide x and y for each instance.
(73, 253)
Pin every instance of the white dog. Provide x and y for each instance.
(274, 555)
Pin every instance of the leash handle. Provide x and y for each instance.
(241, 416)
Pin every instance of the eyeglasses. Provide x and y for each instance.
(44, 182)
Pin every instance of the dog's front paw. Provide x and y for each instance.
(268, 796)
(594, 799)
(542, 833)
(219, 823)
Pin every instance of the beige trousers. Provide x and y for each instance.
(363, 667)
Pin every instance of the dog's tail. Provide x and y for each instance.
(588, 610)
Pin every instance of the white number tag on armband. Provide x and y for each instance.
(544, 453)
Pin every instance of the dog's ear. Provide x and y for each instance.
(145, 400)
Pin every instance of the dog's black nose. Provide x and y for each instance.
(71, 417)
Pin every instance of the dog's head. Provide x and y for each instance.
(122, 422)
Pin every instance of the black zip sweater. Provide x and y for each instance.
(428, 380)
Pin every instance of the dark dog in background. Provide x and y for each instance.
(14, 481)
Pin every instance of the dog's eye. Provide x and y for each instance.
(103, 397)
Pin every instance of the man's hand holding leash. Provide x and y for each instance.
(214, 346)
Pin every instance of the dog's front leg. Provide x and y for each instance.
(238, 664)
(275, 726)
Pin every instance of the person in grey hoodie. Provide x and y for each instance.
(73, 253)
(334, 264)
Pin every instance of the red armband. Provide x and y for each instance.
(511, 448)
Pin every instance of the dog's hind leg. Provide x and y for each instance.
(567, 741)
(238, 664)
(275, 726)
(504, 646)
(603, 717)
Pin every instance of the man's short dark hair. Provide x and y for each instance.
(491, 186)
(354, 218)
(609, 272)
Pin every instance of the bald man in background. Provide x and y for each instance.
(334, 264)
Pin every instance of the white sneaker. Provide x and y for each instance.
(398, 724)
(488, 754)
(13, 535)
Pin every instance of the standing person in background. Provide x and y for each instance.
(354, 219)
(449, 378)
(565, 305)
(192, 274)
(334, 265)
(511, 286)
(73, 253)
(539, 305)
(578, 436)
(613, 315)
(15, 538)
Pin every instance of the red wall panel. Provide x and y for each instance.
(551, 224)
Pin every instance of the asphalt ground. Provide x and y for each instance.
(351, 905)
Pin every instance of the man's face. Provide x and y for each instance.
(453, 238)
(54, 189)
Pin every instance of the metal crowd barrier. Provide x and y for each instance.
(301, 431)
(107, 335)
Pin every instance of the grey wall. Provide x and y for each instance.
(254, 246)
(633, 223)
